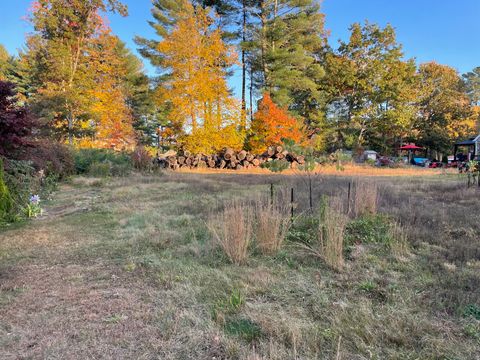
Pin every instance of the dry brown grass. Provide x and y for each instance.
(232, 230)
(347, 170)
(365, 198)
(272, 225)
(330, 235)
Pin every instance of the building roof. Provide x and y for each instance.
(466, 142)
(470, 141)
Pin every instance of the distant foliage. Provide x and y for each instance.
(272, 125)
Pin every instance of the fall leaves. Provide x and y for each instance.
(196, 88)
(272, 125)
(91, 91)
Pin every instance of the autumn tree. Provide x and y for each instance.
(195, 60)
(273, 125)
(57, 58)
(371, 89)
(111, 117)
(4, 63)
(445, 113)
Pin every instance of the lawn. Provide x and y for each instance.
(127, 268)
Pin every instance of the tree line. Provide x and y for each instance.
(88, 89)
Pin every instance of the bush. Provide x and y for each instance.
(118, 164)
(54, 159)
(6, 201)
(99, 169)
(141, 159)
(276, 165)
(232, 230)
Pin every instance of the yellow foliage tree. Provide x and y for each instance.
(196, 88)
(112, 118)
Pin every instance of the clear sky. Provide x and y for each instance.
(442, 30)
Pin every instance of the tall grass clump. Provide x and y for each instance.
(231, 229)
(329, 241)
(365, 200)
(272, 225)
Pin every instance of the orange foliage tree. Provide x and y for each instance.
(112, 119)
(197, 61)
(271, 125)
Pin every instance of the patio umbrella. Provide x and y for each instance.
(410, 148)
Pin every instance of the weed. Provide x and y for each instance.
(472, 310)
(236, 300)
(367, 286)
(473, 330)
(368, 229)
(245, 328)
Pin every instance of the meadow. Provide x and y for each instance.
(133, 267)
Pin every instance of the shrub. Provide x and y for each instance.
(272, 225)
(232, 230)
(119, 164)
(53, 158)
(6, 202)
(141, 159)
(365, 199)
(22, 182)
(276, 165)
(16, 123)
(99, 169)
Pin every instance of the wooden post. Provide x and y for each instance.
(310, 190)
(291, 202)
(271, 194)
(349, 196)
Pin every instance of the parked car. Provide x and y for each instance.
(424, 162)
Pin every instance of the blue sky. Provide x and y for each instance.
(441, 30)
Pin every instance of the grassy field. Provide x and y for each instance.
(126, 268)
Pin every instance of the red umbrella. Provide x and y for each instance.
(411, 147)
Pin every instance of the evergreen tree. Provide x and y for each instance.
(472, 83)
(288, 41)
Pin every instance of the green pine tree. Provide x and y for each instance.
(286, 49)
